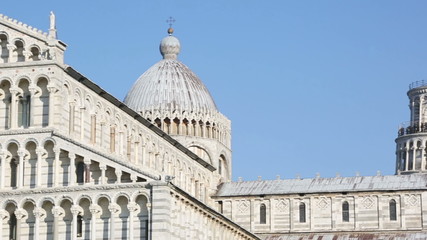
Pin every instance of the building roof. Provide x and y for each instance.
(169, 85)
(324, 185)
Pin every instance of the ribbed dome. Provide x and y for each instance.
(169, 85)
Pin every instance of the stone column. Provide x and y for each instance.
(52, 90)
(75, 211)
(39, 152)
(57, 212)
(72, 179)
(406, 159)
(38, 214)
(133, 177)
(87, 163)
(148, 205)
(95, 211)
(56, 163)
(71, 116)
(119, 176)
(14, 91)
(2, 169)
(20, 216)
(103, 168)
(33, 91)
(4, 216)
(12, 53)
(20, 175)
(132, 207)
(114, 211)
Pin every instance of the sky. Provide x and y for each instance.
(310, 86)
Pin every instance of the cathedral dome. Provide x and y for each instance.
(169, 85)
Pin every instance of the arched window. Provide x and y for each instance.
(12, 226)
(392, 209)
(80, 171)
(345, 212)
(79, 226)
(302, 213)
(13, 172)
(262, 214)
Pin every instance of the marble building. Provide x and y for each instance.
(77, 163)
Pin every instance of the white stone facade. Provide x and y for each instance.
(76, 163)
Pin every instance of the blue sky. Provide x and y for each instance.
(310, 86)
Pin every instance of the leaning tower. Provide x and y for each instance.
(411, 143)
(175, 100)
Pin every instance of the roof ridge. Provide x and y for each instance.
(19, 24)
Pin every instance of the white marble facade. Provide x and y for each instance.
(76, 163)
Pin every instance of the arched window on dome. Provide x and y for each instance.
(158, 123)
(345, 212)
(185, 127)
(208, 130)
(201, 129)
(194, 127)
(262, 214)
(175, 126)
(302, 213)
(393, 210)
(167, 125)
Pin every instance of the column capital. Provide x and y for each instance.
(57, 211)
(148, 205)
(52, 89)
(76, 210)
(57, 150)
(4, 215)
(32, 90)
(71, 155)
(11, 47)
(103, 167)
(41, 151)
(132, 207)
(20, 214)
(87, 161)
(39, 212)
(114, 208)
(95, 209)
(21, 152)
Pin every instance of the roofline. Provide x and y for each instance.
(321, 192)
(206, 207)
(101, 92)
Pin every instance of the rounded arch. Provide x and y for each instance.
(201, 151)
(14, 141)
(22, 202)
(48, 139)
(4, 36)
(42, 200)
(9, 201)
(102, 195)
(22, 78)
(65, 198)
(30, 140)
(121, 194)
(136, 195)
(82, 197)
(42, 77)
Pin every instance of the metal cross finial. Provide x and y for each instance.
(170, 21)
